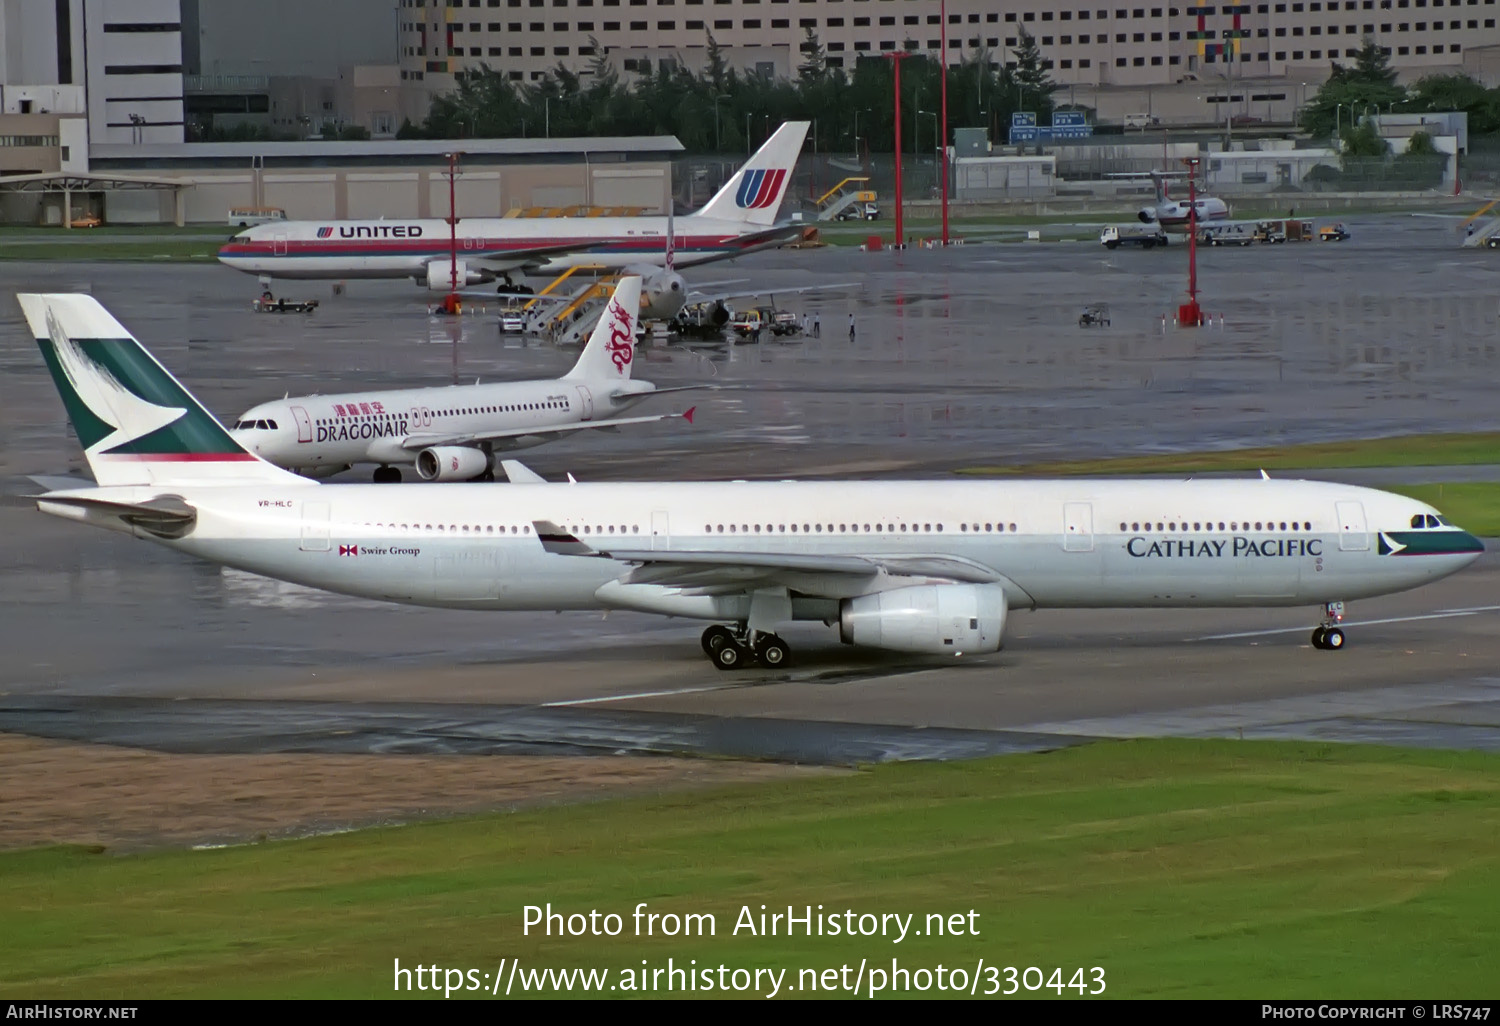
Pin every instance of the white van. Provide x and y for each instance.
(244, 217)
(1139, 121)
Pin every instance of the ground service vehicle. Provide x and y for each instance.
(778, 322)
(1333, 233)
(1225, 235)
(248, 217)
(1144, 235)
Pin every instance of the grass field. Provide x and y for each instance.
(1472, 505)
(1403, 451)
(113, 242)
(1182, 868)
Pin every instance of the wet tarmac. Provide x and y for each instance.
(971, 355)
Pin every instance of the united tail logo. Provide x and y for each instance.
(759, 189)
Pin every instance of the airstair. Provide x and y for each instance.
(1491, 226)
(842, 196)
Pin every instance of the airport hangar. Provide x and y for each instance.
(406, 178)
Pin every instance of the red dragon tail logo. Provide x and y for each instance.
(621, 343)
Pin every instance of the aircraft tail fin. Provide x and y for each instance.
(611, 348)
(755, 193)
(137, 424)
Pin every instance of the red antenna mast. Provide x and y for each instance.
(450, 302)
(896, 59)
(1190, 315)
(943, 139)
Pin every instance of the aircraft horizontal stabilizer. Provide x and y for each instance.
(166, 516)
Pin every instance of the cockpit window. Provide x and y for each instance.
(1417, 520)
(1432, 521)
(1444, 521)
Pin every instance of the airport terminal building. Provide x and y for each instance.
(1178, 63)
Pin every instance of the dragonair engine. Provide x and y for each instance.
(451, 463)
(440, 275)
(1147, 215)
(663, 294)
(939, 619)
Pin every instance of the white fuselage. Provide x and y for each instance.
(1052, 543)
(311, 433)
(409, 248)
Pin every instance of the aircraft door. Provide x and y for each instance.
(1078, 527)
(304, 424)
(314, 527)
(278, 244)
(1354, 535)
(586, 398)
(661, 534)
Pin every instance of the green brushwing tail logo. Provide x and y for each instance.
(121, 402)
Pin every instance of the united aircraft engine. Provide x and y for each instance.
(440, 276)
(935, 619)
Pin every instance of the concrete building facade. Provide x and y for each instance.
(1259, 57)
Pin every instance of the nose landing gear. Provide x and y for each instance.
(1327, 636)
(734, 648)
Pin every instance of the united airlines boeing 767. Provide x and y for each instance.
(911, 566)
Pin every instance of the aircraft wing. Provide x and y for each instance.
(698, 297)
(708, 571)
(744, 243)
(515, 259)
(547, 433)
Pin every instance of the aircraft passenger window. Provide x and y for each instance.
(1012, 528)
(757, 529)
(1123, 527)
(877, 528)
(731, 529)
(989, 527)
(1160, 527)
(843, 528)
(466, 529)
(489, 529)
(903, 528)
(525, 528)
(940, 528)
(926, 527)
(806, 528)
(1134, 526)
(1171, 527)
(867, 528)
(1283, 525)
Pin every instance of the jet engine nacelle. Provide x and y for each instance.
(940, 619)
(663, 293)
(1147, 215)
(440, 275)
(451, 463)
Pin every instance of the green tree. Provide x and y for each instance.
(1034, 84)
(1362, 141)
(814, 61)
(1420, 145)
(1372, 65)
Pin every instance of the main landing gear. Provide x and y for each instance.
(387, 475)
(734, 648)
(1327, 636)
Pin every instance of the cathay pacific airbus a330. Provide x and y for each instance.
(910, 566)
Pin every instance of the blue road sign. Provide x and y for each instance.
(1069, 119)
(1023, 119)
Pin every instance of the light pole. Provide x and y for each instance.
(1337, 110)
(547, 116)
(748, 150)
(717, 98)
(933, 114)
(896, 58)
(857, 112)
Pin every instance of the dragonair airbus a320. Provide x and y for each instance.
(452, 433)
(739, 219)
(910, 566)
